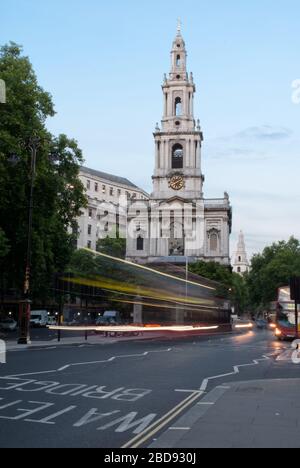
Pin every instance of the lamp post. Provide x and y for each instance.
(25, 303)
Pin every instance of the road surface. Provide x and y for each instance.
(125, 394)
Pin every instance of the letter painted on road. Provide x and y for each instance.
(128, 422)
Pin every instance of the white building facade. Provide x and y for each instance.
(107, 195)
(179, 222)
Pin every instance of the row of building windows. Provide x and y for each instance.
(112, 190)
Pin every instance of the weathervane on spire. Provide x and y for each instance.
(179, 24)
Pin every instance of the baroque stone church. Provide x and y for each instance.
(179, 223)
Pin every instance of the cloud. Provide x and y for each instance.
(237, 154)
(266, 133)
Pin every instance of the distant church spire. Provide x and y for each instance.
(241, 263)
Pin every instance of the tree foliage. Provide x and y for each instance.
(59, 194)
(115, 247)
(4, 245)
(233, 285)
(271, 270)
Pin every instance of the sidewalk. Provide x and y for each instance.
(256, 414)
(102, 340)
(80, 340)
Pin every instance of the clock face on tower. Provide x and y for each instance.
(177, 182)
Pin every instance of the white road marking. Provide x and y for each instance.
(236, 370)
(187, 391)
(163, 421)
(204, 403)
(61, 369)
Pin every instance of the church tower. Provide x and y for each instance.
(178, 142)
(241, 264)
(179, 225)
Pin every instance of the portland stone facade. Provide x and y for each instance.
(179, 224)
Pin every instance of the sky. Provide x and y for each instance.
(103, 62)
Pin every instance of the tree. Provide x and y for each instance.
(59, 194)
(233, 286)
(271, 270)
(215, 272)
(115, 247)
(4, 245)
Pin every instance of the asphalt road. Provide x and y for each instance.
(109, 395)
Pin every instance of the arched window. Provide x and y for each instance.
(177, 157)
(178, 107)
(213, 241)
(178, 61)
(140, 244)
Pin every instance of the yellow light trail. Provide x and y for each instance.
(151, 270)
(117, 287)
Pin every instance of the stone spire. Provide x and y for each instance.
(241, 263)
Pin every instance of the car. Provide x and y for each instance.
(39, 318)
(8, 324)
(105, 321)
(261, 324)
(113, 315)
(51, 321)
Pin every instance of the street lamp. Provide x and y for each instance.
(25, 303)
(2, 92)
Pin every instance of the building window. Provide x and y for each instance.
(89, 245)
(239, 270)
(103, 189)
(128, 195)
(88, 184)
(178, 61)
(119, 192)
(111, 191)
(177, 157)
(90, 213)
(89, 230)
(213, 242)
(140, 244)
(178, 107)
(106, 227)
(96, 187)
(240, 259)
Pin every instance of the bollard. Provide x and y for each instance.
(2, 352)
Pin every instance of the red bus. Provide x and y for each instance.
(285, 315)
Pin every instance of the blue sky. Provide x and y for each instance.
(103, 62)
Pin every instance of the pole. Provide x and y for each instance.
(25, 305)
(186, 280)
(296, 320)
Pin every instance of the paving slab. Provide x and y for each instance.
(253, 414)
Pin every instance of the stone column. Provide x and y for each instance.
(138, 311)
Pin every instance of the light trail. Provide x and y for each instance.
(131, 329)
(135, 290)
(151, 270)
(248, 325)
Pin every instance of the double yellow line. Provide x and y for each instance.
(152, 430)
